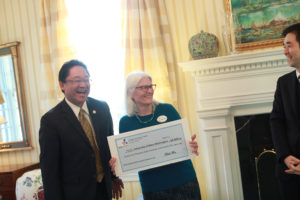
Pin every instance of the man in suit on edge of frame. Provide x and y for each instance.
(75, 156)
(285, 119)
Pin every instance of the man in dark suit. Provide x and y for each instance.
(75, 156)
(285, 118)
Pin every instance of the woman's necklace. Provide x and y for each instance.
(145, 122)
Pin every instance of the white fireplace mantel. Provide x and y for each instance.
(225, 87)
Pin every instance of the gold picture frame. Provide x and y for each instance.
(14, 109)
(263, 30)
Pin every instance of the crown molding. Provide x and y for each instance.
(235, 63)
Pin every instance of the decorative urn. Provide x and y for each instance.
(204, 45)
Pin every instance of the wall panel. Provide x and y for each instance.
(187, 18)
(19, 21)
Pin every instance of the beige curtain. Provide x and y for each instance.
(147, 43)
(56, 49)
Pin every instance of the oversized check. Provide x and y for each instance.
(151, 147)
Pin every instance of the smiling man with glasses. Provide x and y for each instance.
(75, 156)
(285, 118)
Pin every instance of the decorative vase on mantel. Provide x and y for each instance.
(204, 45)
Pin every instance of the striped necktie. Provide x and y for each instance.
(91, 136)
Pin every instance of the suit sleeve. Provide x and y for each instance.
(50, 160)
(111, 132)
(278, 125)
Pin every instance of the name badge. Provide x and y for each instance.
(162, 118)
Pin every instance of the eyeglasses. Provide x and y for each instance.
(77, 82)
(147, 87)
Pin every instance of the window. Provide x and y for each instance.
(95, 31)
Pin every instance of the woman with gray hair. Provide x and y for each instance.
(174, 181)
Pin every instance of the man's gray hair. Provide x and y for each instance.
(131, 82)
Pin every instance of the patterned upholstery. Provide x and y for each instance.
(30, 186)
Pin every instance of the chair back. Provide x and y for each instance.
(268, 186)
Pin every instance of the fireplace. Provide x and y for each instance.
(257, 157)
(228, 88)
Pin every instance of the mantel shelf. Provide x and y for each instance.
(235, 63)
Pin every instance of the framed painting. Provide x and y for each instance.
(258, 24)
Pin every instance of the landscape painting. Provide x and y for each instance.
(259, 23)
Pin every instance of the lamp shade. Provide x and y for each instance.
(2, 120)
(1, 98)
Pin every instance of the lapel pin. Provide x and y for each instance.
(94, 111)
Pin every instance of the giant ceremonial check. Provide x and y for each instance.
(151, 147)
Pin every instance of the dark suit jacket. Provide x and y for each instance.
(285, 120)
(67, 159)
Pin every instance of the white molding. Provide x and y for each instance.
(221, 128)
(237, 100)
(240, 72)
(235, 63)
(208, 113)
